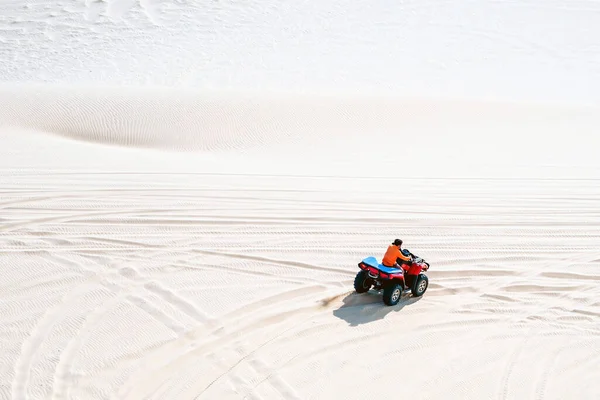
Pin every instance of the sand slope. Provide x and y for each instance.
(142, 273)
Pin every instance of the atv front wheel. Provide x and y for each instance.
(362, 282)
(420, 286)
(392, 294)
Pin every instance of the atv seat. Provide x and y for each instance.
(389, 270)
(372, 262)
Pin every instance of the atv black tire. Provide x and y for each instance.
(362, 282)
(392, 294)
(420, 286)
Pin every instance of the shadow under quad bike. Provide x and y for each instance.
(392, 280)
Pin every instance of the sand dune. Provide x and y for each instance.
(132, 272)
(186, 189)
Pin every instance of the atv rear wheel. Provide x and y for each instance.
(392, 294)
(420, 286)
(362, 282)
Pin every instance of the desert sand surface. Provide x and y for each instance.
(178, 220)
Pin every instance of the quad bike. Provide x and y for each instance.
(392, 280)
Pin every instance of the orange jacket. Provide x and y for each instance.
(392, 253)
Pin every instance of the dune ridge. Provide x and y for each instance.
(192, 120)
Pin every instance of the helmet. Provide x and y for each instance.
(397, 242)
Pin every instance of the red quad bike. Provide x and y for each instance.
(393, 281)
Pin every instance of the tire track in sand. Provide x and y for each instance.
(64, 364)
(198, 342)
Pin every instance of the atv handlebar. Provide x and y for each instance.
(419, 260)
(415, 259)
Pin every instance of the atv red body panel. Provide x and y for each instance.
(406, 276)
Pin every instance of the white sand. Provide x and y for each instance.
(169, 244)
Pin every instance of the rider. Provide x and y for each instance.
(393, 256)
